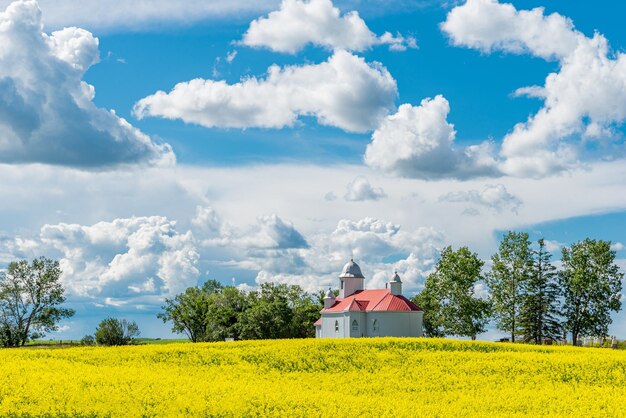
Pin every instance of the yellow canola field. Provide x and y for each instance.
(315, 378)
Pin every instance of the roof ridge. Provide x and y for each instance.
(381, 300)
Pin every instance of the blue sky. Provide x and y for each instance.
(385, 147)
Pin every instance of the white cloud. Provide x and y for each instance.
(379, 247)
(345, 92)
(417, 141)
(122, 15)
(63, 328)
(553, 246)
(298, 23)
(489, 26)
(207, 220)
(121, 258)
(269, 233)
(617, 246)
(583, 101)
(46, 111)
(360, 189)
(495, 197)
(230, 57)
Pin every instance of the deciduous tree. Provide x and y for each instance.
(591, 283)
(449, 300)
(512, 268)
(31, 295)
(113, 331)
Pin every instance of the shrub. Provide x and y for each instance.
(88, 340)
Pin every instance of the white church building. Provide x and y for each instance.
(368, 313)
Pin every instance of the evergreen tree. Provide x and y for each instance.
(539, 318)
(511, 270)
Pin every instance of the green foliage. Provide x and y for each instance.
(511, 270)
(539, 316)
(113, 331)
(279, 311)
(88, 340)
(225, 308)
(214, 312)
(30, 299)
(591, 283)
(188, 311)
(448, 299)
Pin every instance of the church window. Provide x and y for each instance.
(375, 325)
(336, 326)
(355, 325)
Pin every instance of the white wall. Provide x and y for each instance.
(390, 324)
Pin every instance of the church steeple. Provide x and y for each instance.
(351, 279)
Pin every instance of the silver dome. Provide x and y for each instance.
(351, 269)
(396, 278)
(329, 295)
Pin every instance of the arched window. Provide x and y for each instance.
(355, 325)
(336, 326)
(375, 325)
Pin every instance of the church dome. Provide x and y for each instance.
(351, 269)
(329, 295)
(396, 278)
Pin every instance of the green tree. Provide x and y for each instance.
(539, 316)
(188, 311)
(225, 307)
(591, 283)
(428, 301)
(450, 293)
(113, 331)
(279, 311)
(88, 340)
(511, 269)
(30, 299)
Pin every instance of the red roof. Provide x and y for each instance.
(318, 322)
(373, 300)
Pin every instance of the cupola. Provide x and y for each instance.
(351, 279)
(329, 299)
(395, 285)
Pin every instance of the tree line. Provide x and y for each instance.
(214, 312)
(524, 293)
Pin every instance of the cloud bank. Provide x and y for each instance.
(123, 259)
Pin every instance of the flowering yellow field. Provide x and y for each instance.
(368, 377)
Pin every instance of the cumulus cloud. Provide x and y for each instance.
(124, 258)
(269, 233)
(495, 197)
(345, 92)
(298, 23)
(47, 112)
(417, 141)
(360, 189)
(583, 101)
